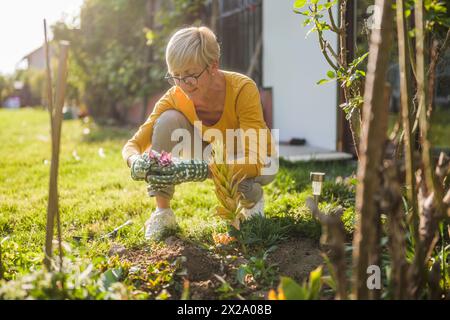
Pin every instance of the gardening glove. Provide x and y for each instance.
(140, 166)
(176, 172)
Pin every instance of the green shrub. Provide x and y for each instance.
(339, 192)
(79, 280)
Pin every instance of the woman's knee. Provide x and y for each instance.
(170, 119)
(265, 179)
(250, 189)
(164, 129)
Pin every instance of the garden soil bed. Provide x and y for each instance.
(295, 258)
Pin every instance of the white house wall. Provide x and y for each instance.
(292, 64)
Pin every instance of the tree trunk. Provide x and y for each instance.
(375, 110)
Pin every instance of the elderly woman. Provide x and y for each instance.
(221, 100)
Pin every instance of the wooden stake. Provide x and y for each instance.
(49, 78)
(55, 110)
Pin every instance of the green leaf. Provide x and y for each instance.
(111, 276)
(150, 36)
(440, 8)
(241, 273)
(298, 4)
(315, 274)
(304, 13)
(328, 5)
(360, 72)
(331, 74)
(329, 281)
(322, 81)
(315, 283)
(358, 60)
(310, 30)
(292, 290)
(163, 295)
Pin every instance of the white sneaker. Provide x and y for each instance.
(257, 209)
(160, 221)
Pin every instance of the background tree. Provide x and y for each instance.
(6, 87)
(116, 58)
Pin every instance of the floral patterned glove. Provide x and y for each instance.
(172, 171)
(141, 165)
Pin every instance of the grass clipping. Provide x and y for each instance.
(226, 181)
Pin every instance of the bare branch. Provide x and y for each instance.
(333, 53)
(431, 73)
(342, 35)
(446, 42)
(322, 41)
(334, 27)
(435, 53)
(325, 53)
(411, 51)
(406, 106)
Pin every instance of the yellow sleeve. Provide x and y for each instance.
(141, 140)
(250, 116)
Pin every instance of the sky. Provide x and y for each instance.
(22, 29)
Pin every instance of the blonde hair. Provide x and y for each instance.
(193, 46)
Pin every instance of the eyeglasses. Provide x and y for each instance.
(190, 80)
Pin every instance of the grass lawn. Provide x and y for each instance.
(97, 195)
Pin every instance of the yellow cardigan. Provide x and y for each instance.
(242, 110)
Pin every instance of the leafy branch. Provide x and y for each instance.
(348, 75)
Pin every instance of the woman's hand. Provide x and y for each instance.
(176, 172)
(139, 166)
(161, 170)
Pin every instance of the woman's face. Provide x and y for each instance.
(199, 80)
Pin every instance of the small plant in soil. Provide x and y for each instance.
(262, 233)
(258, 272)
